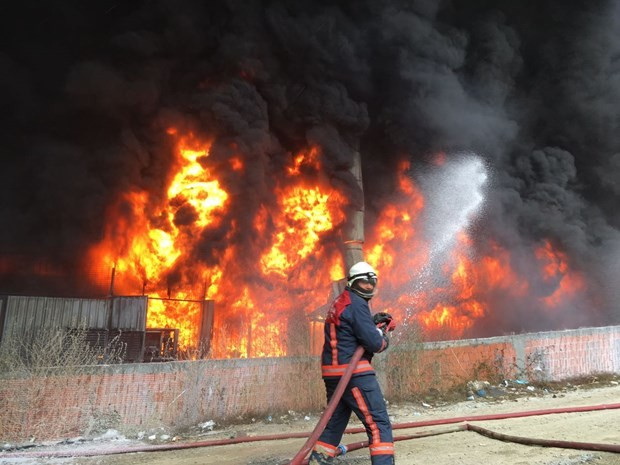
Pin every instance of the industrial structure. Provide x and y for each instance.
(119, 318)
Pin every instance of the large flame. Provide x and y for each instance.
(149, 242)
(267, 297)
(302, 217)
(447, 300)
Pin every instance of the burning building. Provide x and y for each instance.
(208, 151)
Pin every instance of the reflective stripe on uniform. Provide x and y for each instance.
(361, 403)
(382, 448)
(324, 448)
(362, 366)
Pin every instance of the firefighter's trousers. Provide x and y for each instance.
(364, 397)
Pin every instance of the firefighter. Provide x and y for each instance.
(348, 325)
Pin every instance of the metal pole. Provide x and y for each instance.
(353, 234)
(113, 274)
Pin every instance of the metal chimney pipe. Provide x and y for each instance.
(354, 230)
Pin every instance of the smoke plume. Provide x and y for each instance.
(88, 90)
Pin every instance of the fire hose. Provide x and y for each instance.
(359, 445)
(344, 380)
(329, 410)
(466, 426)
(614, 448)
(299, 458)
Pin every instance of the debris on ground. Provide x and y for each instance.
(434, 403)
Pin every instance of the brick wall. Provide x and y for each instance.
(534, 357)
(178, 394)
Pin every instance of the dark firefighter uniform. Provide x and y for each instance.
(348, 325)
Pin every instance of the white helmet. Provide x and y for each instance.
(362, 271)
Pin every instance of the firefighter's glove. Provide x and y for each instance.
(386, 339)
(384, 321)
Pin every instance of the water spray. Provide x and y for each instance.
(454, 195)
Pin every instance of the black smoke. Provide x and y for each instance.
(88, 89)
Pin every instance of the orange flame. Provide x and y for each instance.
(296, 257)
(305, 159)
(304, 214)
(148, 241)
(555, 268)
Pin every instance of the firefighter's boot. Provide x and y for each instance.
(316, 458)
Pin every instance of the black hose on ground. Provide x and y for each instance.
(544, 442)
(274, 437)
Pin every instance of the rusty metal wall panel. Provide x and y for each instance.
(21, 317)
(28, 314)
(76, 313)
(129, 313)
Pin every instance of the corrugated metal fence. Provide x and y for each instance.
(26, 317)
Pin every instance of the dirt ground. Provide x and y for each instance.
(455, 448)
